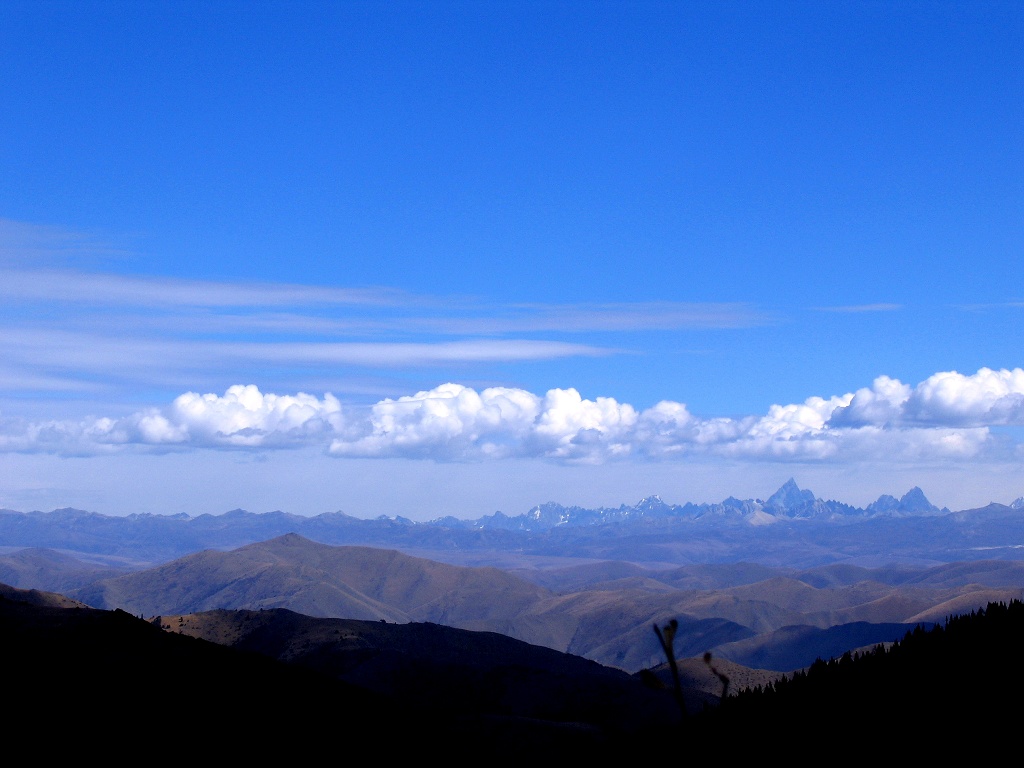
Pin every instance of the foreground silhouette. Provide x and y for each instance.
(954, 686)
(84, 682)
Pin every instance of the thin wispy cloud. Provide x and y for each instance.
(124, 291)
(582, 318)
(152, 360)
(123, 294)
(854, 308)
(67, 328)
(994, 305)
(35, 246)
(404, 354)
(40, 269)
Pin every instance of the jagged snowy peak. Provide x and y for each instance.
(913, 502)
(789, 497)
(797, 525)
(789, 502)
(884, 505)
(652, 505)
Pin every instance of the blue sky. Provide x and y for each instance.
(451, 257)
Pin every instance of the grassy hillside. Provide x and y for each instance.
(748, 614)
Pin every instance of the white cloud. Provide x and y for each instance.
(449, 421)
(947, 416)
(880, 404)
(570, 427)
(948, 399)
(987, 397)
(244, 416)
(786, 422)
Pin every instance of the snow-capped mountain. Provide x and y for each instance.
(789, 502)
(792, 526)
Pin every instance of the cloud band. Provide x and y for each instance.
(949, 415)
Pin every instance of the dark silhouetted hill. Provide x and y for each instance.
(442, 669)
(83, 683)
(949, 691)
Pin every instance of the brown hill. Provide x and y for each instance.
(38, 598)
(701, 678)
(47, 569)
(607, 619)
(321, 580)
(366, 583)
(615, 626)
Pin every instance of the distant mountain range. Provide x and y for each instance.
(791, 528)
(790, 502)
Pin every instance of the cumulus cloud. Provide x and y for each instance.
(947, 416)
(450, 421)
(880, 404)
(987, 397)
(948, 399)
(878, 421)
(571, 427)
(243, 417)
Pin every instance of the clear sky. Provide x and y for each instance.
(430, 258)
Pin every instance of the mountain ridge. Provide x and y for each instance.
(789, 501)
(791, 527)
(603, 612)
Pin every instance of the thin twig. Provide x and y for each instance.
(667, 637)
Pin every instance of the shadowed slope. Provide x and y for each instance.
(954, 685)
(111, 681)
(441, 668)
(49, 570)
(92, 684)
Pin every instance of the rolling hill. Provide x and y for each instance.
(781, 621)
